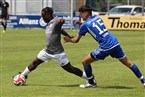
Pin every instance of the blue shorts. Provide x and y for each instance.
(115, 52)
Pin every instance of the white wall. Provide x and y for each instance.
(34, 7)
(21, 6)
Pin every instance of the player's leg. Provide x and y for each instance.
(2, 22)
(32, 66)
(63, 61)
(41, 57)
(134, 68)
(90, 80)
(119, 54)
(5, 23)
(95, 55)
(88, 68)
(71, 69)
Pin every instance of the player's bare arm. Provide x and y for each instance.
(73, 40)
(78, 22)
(63, 32)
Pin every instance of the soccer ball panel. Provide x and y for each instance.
(19, 80)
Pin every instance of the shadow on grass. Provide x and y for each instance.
(115, 87)
(76, 85)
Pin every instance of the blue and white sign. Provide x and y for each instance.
(24, 21)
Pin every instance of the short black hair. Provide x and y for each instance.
(48, 10)
(85, 8)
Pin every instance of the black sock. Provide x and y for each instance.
(4, 25)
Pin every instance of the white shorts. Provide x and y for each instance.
(61, 58)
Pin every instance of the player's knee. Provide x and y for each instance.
(126, 62)
(84, 62)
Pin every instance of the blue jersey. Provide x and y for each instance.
(95, 26)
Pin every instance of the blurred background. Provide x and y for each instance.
(64, 7)
(68, 9)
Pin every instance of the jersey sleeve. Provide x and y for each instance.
(83, 30)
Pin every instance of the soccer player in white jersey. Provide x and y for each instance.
(108, 45)
(54, 49)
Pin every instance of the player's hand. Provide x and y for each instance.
(67, 39)
(71, 36)
(78, 22)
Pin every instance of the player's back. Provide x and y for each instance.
(97, 29)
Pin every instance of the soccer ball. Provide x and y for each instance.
(19, 80)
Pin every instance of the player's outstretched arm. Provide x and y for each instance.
(73, 40)
(63, 32)
(78, 22)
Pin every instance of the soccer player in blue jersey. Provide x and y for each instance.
(108, 45)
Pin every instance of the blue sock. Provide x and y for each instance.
(137, 72)
(88, 71)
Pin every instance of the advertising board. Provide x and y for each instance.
(124, 22)
(28, 21)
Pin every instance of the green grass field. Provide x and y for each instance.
(20, 46)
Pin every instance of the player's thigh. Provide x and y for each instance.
(99, 54)
(44, 56)
(61, 59)
(117, 52)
